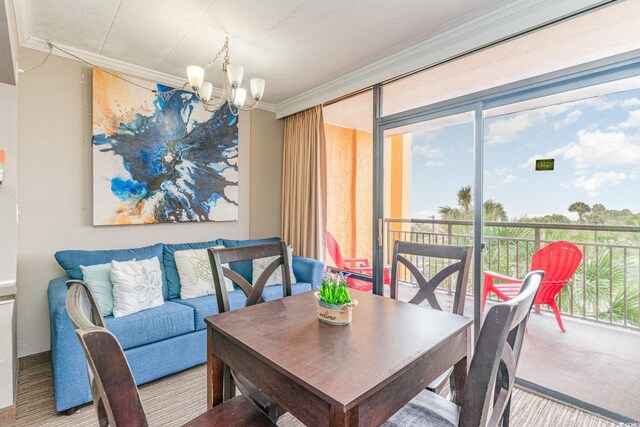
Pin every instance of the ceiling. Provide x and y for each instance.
(297, 46)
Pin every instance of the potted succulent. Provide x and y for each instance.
(334, 302)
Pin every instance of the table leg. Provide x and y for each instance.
(215, 374)
(337, 418)
(459, 375)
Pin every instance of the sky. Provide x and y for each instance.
(595, 143)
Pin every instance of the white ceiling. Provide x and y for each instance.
(295, 45)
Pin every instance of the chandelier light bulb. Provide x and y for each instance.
(239, 97)
(234, 74)
(195, 75)
(205, 91)
(257, 88)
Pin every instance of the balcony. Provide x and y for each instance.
(605, 289)
(596, 360)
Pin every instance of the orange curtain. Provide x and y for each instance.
(304, 183)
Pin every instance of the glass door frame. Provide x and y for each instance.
(601, 71)
(385, 124)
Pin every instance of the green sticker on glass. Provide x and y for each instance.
(544, 164)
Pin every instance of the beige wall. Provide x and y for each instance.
(8, 189)
(267, 136)
(55, 188)
(341, 217)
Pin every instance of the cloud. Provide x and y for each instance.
(631, 102)
(596, 148)
(425, 151)
(507, 130)
(435, 163)
(570, 118)
(509, 179)
(592, 185)
(633, 121)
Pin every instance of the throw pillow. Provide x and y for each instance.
(196, 277)
(260, 264)
(137, 286)
(98, 277)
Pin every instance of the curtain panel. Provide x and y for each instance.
(304, 183)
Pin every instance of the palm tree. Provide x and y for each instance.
(464, 198)
(580, 208)
(493, 211)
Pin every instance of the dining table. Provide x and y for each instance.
(325, 375)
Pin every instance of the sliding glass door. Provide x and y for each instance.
(425, 179)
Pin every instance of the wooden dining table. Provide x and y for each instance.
(355, 375)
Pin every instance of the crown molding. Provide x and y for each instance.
(511, 19)
(23, 21)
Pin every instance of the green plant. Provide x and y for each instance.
(333, 289)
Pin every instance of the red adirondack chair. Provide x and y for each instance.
(559, 260)
(351, 264)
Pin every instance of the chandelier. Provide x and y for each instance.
(232, 94)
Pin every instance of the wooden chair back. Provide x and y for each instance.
(426, 291)
(487, 393)
(81, 305)
(218, 257)
(114, 390)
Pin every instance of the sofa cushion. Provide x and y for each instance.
(148, 326)
(245, 268)
(173, 280)
(137, 286)
(71, 260)
(275, 292)
(98, 277)
(208, 305)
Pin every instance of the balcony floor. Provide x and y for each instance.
(594, 363)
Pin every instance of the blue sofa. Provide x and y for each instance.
(159, 341)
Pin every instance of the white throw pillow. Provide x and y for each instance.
(260, 264)
(196, 277)
(98, 277)
(137, 286)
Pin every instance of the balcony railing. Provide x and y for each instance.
(604, 289)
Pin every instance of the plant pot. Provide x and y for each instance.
(338, 315)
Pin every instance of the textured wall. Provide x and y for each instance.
(8, 189)
(364, 194)
(340, 176)
(55, 180)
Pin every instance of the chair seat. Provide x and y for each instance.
(426, 409)
(238, 411)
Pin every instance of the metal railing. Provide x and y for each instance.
(604, 289)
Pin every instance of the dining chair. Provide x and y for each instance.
(115, 394)
(220, 259)
(559, 260)
(443, 254)
(486, 397)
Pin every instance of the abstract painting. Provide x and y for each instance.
(159, 159)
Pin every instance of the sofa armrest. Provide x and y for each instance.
(70, 374)
(308, 270)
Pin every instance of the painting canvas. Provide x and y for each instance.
(159, 159)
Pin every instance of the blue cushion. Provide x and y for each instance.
(275, 292)
(173, 279)
(72, 260)
(154, 324)
(208, 305)
(245, 268)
